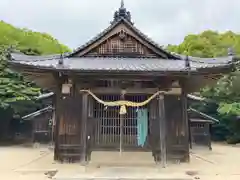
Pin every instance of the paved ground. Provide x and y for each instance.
(32, 163)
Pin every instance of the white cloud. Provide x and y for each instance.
(74, 22)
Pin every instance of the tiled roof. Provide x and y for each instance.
(37, 113)
(196, 98)
(117, 64)
(44, 96)
(172, 62)
(192, 110)
(131, 26)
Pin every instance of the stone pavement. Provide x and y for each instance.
(25, 163)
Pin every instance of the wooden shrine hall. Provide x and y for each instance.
(121, 92)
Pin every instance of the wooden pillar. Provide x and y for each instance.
(57, 102)
(84, 126)
(190, 133)
(121, 135)
(162, 128)
(53, 124)
(209, 136)
(121, 127)
(186, 125)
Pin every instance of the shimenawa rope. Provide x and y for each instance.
(122, 103)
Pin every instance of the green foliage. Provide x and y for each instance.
(208, 44)
(12, 86)
(28, 41)
(226, 92)
(15, 92)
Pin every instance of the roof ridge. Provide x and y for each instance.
(148, 39)
(95, 38)
(139, 33)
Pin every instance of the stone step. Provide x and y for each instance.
(129, 177)
(124, 173)
(109, 158)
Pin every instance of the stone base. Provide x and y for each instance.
(123, 173)
(108, 165)
(132, 159)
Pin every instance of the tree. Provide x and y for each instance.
(17, 96)
(25, 40)
(226, 92)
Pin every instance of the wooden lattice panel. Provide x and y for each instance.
(127, 46)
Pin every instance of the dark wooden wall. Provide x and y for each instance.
(68, 135)
(176, 130)
(41, 128)
(177, 137)
(75, 126)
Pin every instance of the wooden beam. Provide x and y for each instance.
(159, 81)
(172, 91)
(162, 134)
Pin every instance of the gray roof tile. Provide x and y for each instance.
(117, 63)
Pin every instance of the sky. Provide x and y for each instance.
(74, 22)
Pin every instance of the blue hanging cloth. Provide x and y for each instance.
(142, 126)
(139, 127)
(145, 125)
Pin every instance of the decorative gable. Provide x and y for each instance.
(123, 39)
(121, 44)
